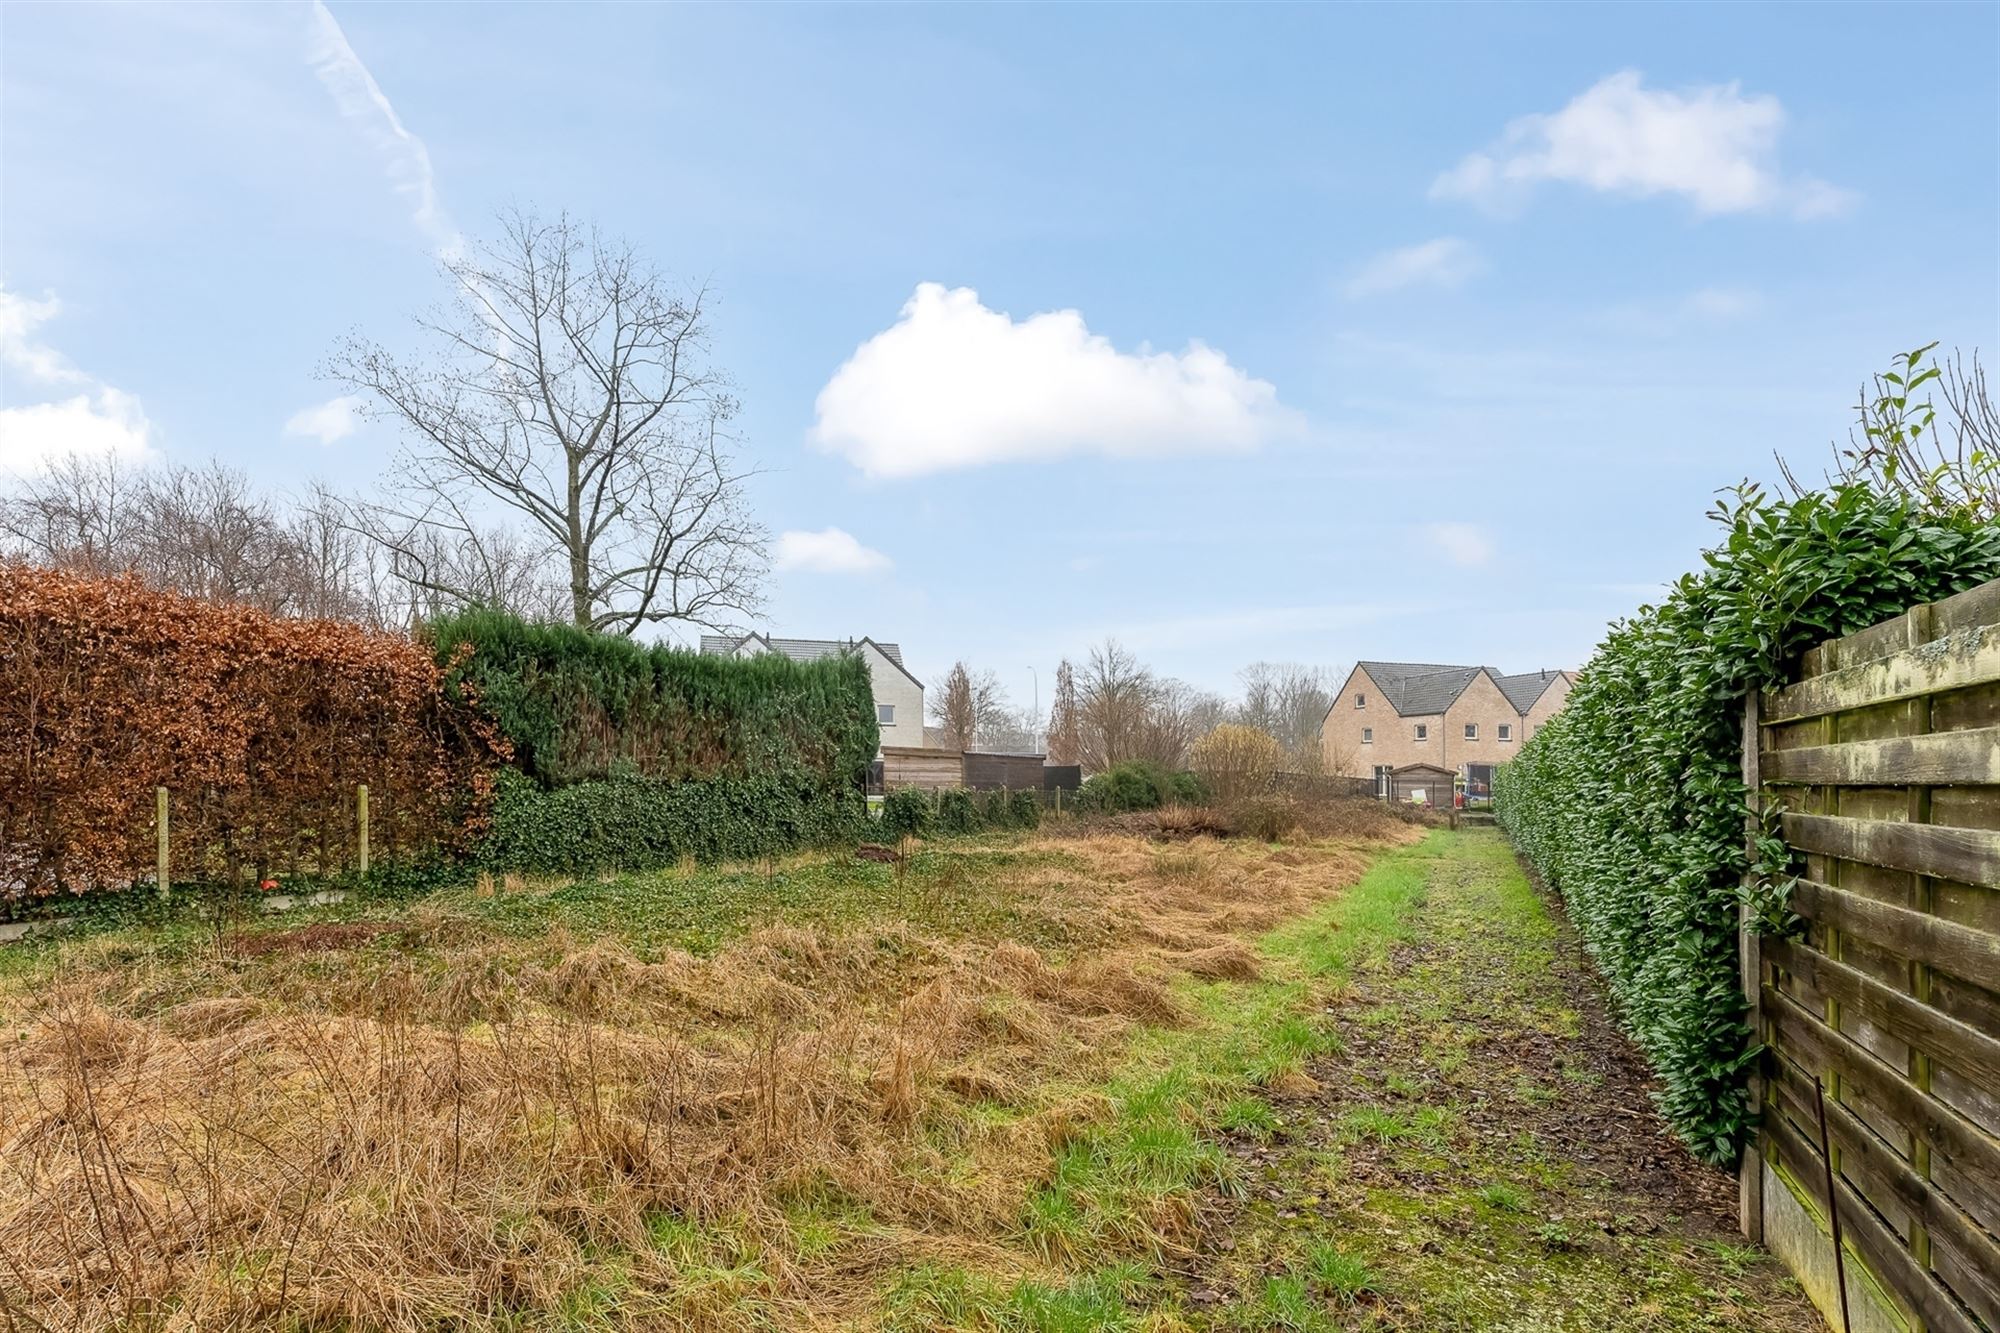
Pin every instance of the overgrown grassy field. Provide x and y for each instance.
(1027, 1083)
(812, 1092)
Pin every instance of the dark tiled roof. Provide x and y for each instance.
(1420, 689)
(1425, 689)
(1523, 690)
(799, 650)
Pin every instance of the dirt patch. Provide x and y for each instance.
(321, 937)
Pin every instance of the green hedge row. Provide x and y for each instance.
(583, 707)
(643, 824)
(908, 812)
(1630, 801)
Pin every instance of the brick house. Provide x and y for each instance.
(1467, 719)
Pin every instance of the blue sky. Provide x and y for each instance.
(1492, 299)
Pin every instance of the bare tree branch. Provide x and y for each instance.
(569, 387)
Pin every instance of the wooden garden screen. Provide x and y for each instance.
(1885, 757)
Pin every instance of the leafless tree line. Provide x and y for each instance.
(1113, 708)
(564, 455)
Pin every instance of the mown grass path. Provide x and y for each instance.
(1477, 1150)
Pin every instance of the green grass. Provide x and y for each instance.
(960, 890)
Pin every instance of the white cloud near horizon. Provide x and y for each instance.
(828, 551)
(1445, 262)
(1464, 544)
(328, 422)
(95, 421)
(361, 101)
(953, 384)
(1712, 145)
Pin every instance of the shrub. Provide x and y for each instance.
(1271, 818)
(1630, 803)
(1024, 809)
(1235, 760)
(994, 810)
(957, 812)
(639, 824)
(1186, 789)
(579, 707)
(907, 812)
(260, 726)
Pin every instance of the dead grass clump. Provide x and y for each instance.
(211, 1016)
(1231, 960)
(1112, 984)
(1180, 822)
(322, 937)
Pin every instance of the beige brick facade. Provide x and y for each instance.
(1479, 725)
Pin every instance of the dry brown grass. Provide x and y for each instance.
(466, 1134)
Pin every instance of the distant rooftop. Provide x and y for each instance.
(799, 650)
(1425, 689)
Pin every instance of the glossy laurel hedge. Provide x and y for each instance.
(633, 823)
(581, 707)
(259, 726)
(1630, 801)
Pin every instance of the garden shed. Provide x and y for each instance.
(1424, 784)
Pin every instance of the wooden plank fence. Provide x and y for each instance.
(1884, 755)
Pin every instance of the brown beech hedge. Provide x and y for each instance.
(260, 727)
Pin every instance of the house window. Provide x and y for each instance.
(885, 714)
(1382, 779)
(1472, 731)
(1506, 732)
(1423, 731)
(1360, 701)
(1368, 735)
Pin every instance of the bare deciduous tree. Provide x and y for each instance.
(1114, 696)
(970, 708)
(1290, 702)
(1065, 718)
(200, 531)
(571, 389)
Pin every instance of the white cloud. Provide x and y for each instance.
(98, 420)
(1711, 144)
(20, 350)
(1462, 543)
(952, 385)
(330, 421)
(828, 551)
(1444, 262)
(1723, 303)
(361, 100)
(103, 423)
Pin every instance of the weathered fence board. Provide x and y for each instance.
(1943, 760)
(1884, 758)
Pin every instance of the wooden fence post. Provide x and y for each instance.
(361, 824)
(1750, 960)
(164, 872)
